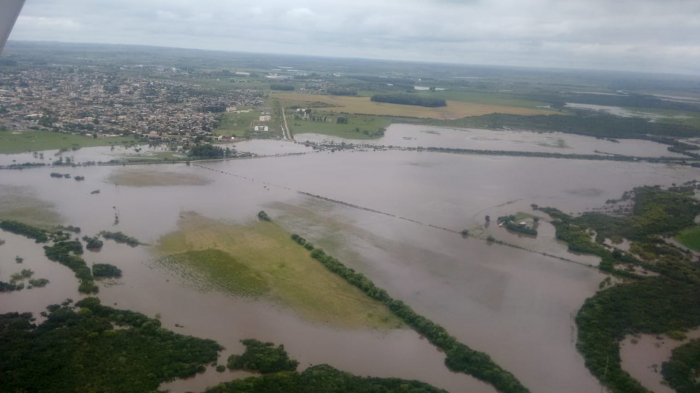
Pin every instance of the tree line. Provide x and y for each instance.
(460, 358)
(409, 99)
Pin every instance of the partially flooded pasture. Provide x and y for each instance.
(513, 303)
(405, 135)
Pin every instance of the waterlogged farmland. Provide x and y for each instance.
(210, 268)
(261, 223)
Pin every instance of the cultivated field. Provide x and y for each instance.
(363, 105)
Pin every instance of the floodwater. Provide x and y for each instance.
(96, 154)
(643, 357)
(405, 135)
(513, 303)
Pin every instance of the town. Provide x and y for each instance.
(93, 103)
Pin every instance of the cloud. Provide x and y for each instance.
(641, 35)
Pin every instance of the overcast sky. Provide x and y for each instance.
(637, 35)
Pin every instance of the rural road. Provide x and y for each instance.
(286, 126)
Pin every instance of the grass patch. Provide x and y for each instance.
(283, 270)
(363, 105)
(224, 271)
(48, 140)
(152, 178)
(237, 124)
(690, 237)
(357, 126)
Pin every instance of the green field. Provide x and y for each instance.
(236, 124)
(260, 259)
(487, 98)
(354, 129)
(47, 140)
(690, 237)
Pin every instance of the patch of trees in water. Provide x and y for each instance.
(93, 243)
(78, 350)
(17, 281)
(100, 270)
(262, 357)
(67, 253)
(653, 305)
(460, 358)
(64, 251)
(119, 237)
(410, 99)
(510, 223)
(211, 152)
(683, 370)
(322, 378)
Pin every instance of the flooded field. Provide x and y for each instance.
(643, 355)
(404, 135)
(398, 224)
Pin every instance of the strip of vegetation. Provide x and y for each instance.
(683, 370)
(281, 87)
(119, 237)
(67, 254)
(302, 242)
(655, 305)
(460, 358)
(322, 378)
(19, 228)
(582, 123)
(262, 357)
(209, 151)
(408, 99)
(101, 270)
(78, 351)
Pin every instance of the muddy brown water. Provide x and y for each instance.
(516, 305)
(644, 356)
(405, 135)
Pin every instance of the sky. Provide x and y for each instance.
(633, 35)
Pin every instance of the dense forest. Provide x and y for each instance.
(460, 358)
(662, 304)
(322, 379)
(82, 350)
(105, 270)
(683, 370)
(262, 357)
(408, 99)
